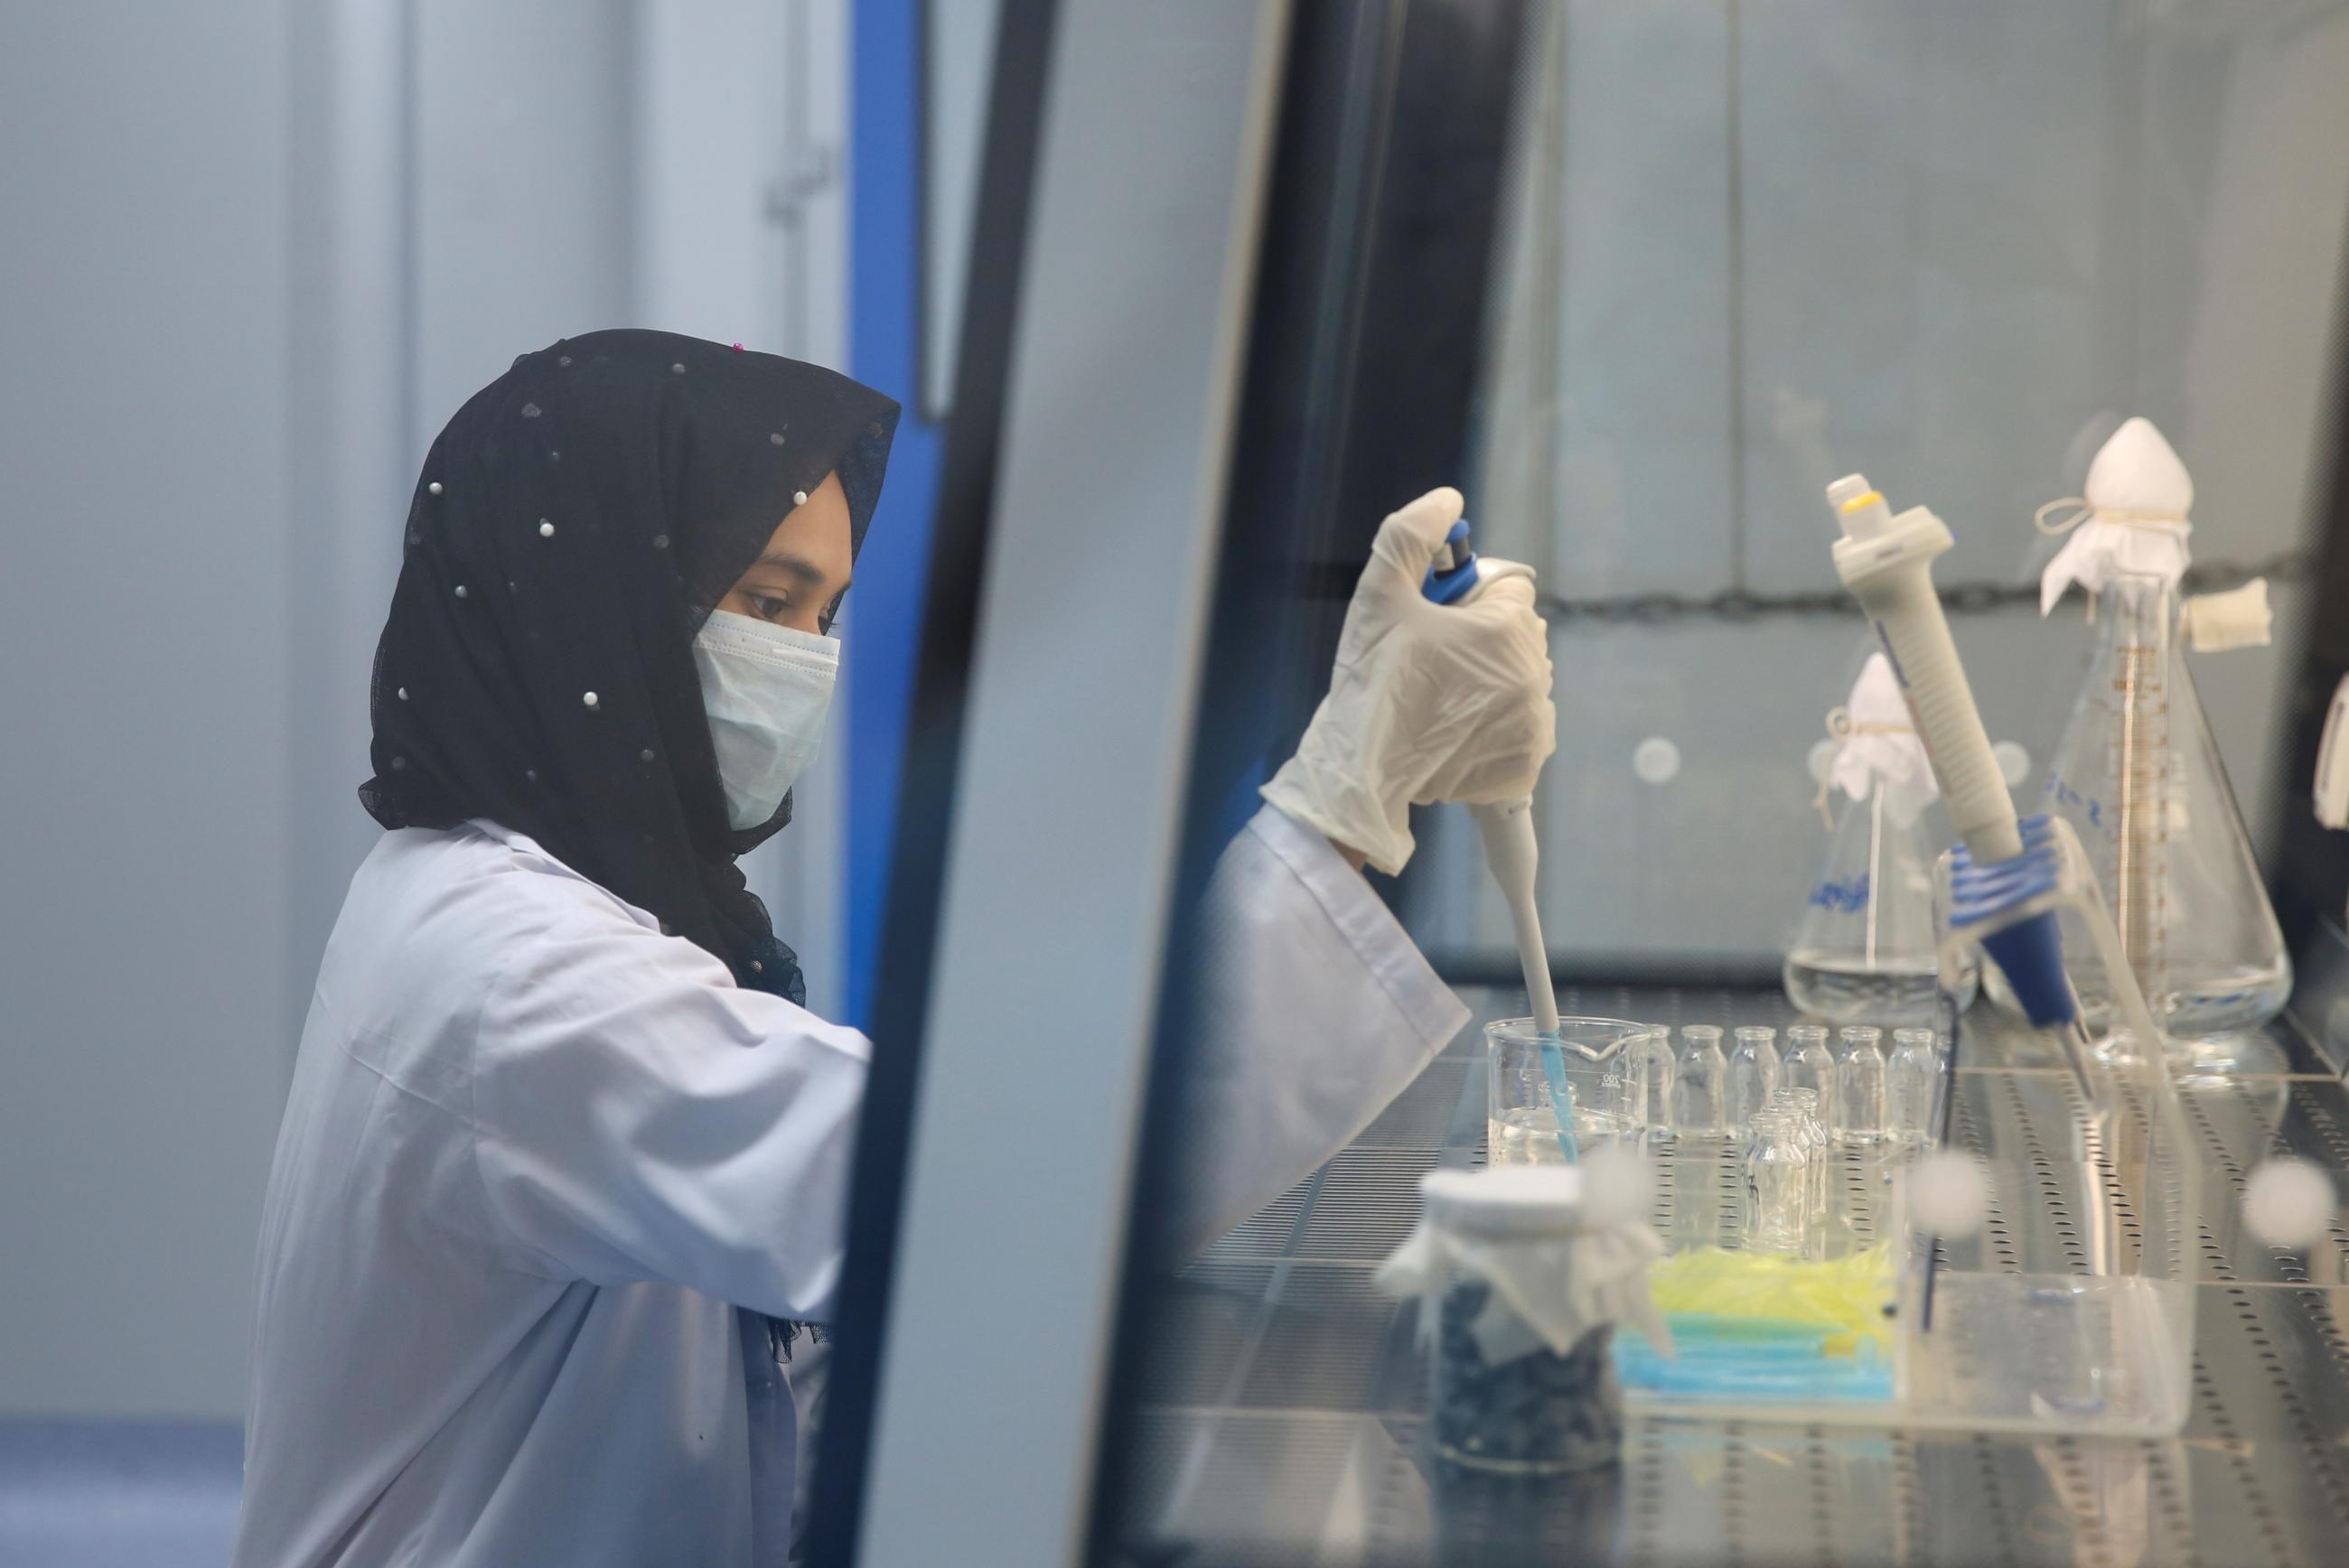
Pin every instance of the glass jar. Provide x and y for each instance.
(1586, 1065)
(1507, 1399)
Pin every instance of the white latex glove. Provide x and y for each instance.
(1429, 702)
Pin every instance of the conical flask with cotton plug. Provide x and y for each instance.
(1863, 945)
(2139, 778)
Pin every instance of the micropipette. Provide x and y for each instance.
(1510, 848)
(1887, 562)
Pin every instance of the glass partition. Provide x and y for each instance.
(1734, 254)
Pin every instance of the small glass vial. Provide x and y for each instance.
(1777, 1186)
(1859, 1086)
(1652, 1072)
(1809, 1064)
(1752, 1075)
(1700, 1091)
(1811, 1127)
(1910, 1081)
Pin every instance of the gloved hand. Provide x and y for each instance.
(1429, 702)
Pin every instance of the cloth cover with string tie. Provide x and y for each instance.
(2134, 518)
(1862, 945)
(1877, 745)
(573, 527)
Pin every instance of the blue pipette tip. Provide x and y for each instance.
(1561, 1100)
(2029, 952)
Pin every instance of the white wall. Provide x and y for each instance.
(144, 650)
(257, 253)
(741, 235)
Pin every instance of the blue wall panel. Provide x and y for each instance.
(884, 629)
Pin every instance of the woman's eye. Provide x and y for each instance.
(768, 608)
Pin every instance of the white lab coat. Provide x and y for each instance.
(536, 1155)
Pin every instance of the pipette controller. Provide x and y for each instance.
(1887, 562)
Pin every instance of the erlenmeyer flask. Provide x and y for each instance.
(2139, 778)
(1863, 948)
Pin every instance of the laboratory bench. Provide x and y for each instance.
(1283, 1396)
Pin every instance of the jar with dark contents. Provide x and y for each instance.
(1516, 1287)
(1537, 1412)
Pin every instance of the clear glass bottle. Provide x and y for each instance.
(1811, 1127)
(1700, 1089)
(2140, 780)
(1652, 1072)
(1753, 1074)
(1859, 1086)
(1911, 1079)
(1778, 1187)
(1809, 1064)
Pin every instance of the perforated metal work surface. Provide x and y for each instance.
(1284, 1395)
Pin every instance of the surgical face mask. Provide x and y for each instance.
(766, 690)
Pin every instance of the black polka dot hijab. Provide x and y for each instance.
(572, 530)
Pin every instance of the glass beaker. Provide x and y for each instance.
(1586, 1064)
(1864, 947)
(2140, 780)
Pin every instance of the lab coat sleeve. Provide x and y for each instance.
(1314, 1010)
(638, 1116)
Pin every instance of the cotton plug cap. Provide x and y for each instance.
(1509, 1201)
(2287, 1203)
(1617, 1184)
(1876, 695)
(1949, 1193)
(2238, 618)
(2139, 470)
(2137, 499)
(1882, 742)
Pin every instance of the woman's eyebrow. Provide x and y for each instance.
(798, 566)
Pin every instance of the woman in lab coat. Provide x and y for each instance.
(558, 1195)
